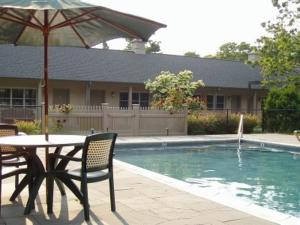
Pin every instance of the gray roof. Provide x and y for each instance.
(119, 66)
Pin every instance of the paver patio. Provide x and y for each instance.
(140, 201)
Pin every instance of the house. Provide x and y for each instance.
(90, 77)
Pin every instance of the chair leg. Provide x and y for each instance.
(36, 186)
(112, 193)
(54, 164)
(0, 188)
(50, 195)
(86, 209)
(16, 180)
(71, 185)
(24, 182)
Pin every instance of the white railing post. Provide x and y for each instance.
(136, 119)
(105, 125)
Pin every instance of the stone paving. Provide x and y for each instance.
(139, 200)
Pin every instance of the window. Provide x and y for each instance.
(124, 99)
(144, 100)
(30, 97)
(210, 101)
(18, 97)
(61, 96)
(4, 96)
(220, 102)
(97, 97)
(140, 98)
(137, 98)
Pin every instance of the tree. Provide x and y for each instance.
(128, 45)
(234, 51)
(173, 92)
(282, 110)
(280, 52)
(153, 47)
(191, 54)
(105, 45)
(288, 13)
(280, 58)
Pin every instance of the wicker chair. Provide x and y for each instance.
(14, 162)
(96, 165)
(11, 130)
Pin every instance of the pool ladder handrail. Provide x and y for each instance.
(240, 130)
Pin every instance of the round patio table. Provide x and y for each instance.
(31, 143)
(39, 141)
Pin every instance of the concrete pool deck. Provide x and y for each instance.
(140, 200)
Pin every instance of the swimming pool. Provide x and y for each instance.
(267, 177)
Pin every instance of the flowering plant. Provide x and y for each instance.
(64, 108)
(173, 92)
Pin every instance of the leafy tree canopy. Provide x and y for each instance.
(153, 47)
(234, 51)
(173, 92)
(191, 54)
(280, 58)
(288, 13)
(280, 51)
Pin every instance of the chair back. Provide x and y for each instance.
(97, 151)
(8, 130)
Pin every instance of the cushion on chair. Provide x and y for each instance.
(90, 175)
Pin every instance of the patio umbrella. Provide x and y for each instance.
(66, 23)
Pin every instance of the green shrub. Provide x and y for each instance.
(219, 124)
(195, 126)
(250, 122)
(29, 127)
(282, 110)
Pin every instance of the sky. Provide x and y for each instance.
(200, 26)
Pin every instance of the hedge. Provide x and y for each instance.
(218, 124)
(282, 110)
(29, 127)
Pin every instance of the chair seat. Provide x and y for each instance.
(95, 175)
(14, 161)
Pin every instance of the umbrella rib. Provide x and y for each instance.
(36, 19)
(16, 19)
(68, 21)
(119, 27)
(93, 17)
(22, 31)
(137, 17)
(76, 32)
(54, 16)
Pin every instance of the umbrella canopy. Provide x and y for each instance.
(70, 23)
(66, 23)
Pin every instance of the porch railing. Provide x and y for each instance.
(9, 114)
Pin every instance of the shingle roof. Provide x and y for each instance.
(119, 66)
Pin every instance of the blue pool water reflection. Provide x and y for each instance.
(267, 177)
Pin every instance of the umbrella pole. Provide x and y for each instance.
(46, 105)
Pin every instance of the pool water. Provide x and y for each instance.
(267, 177)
